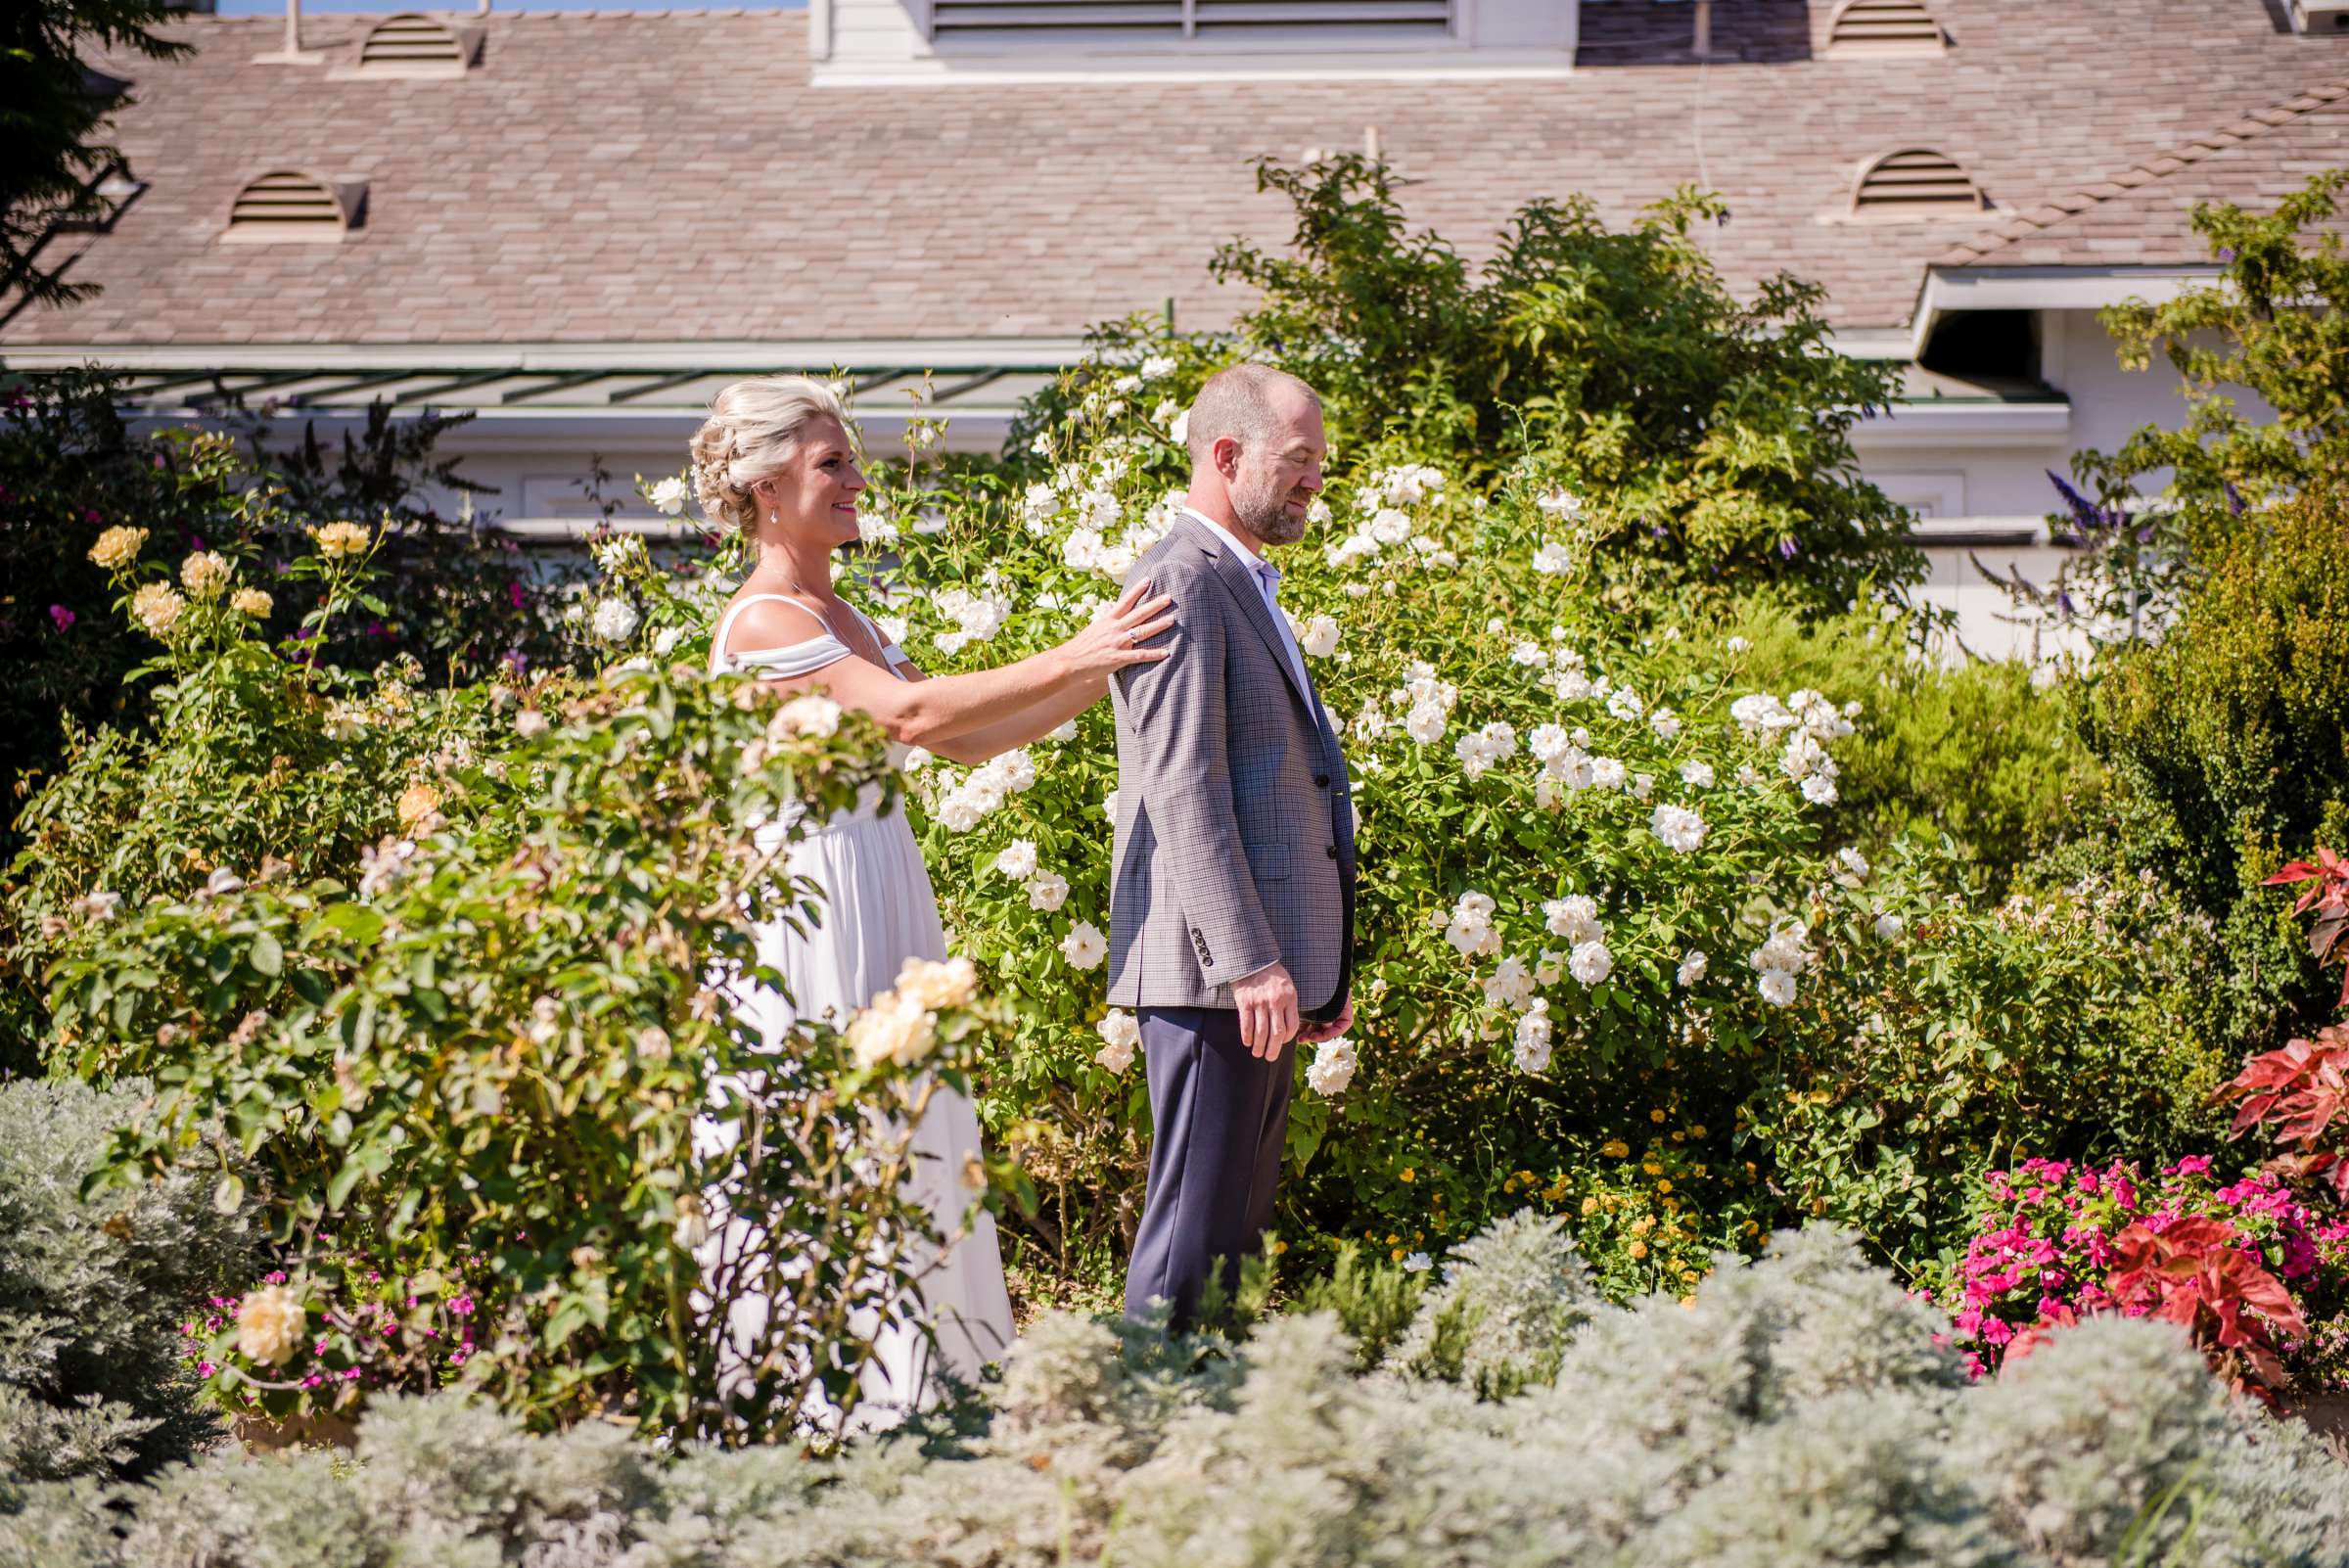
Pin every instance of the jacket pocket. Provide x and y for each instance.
(1272, 862)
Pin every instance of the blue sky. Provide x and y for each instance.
(277, 8)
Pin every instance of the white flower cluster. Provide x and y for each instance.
(976, 615)
(1529, 1048)
(615, 620)
(1121, 1033)
(621, 553)
(1815, 723)
(1317, 635)
(1480, 749)
(1426, 702)
(1088, 547)
(1386, 524)
(1084, 946)
(1778, 960)
(982, 792)
(1046, 891)
(1470, 929)
(1575, 918)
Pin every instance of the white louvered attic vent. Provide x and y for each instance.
(285, 206)
(1884, 28)
(1153, 20)
(412, 45)
(1914, 183)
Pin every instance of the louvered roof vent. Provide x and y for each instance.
(1884, 28)
(412, 44)
(1914, 183)
(287, 205)
(1179, 19)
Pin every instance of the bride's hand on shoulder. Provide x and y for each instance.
(1121, 634)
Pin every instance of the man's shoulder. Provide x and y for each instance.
(1176, 559)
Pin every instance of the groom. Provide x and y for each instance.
(1231, 893)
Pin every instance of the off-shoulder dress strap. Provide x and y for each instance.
(795, 658)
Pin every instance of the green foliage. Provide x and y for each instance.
(54, 106)
(92, 1289)
(492, 1055)
(1946, 1033)
(1984, 752)
(256, 764)
(1708, 439)
(2228, 739)
(1798, 1410)
(1511, 1297)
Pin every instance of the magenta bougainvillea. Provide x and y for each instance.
(2256, 1274)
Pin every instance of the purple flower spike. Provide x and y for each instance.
(1786, 548)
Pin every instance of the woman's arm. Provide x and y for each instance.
(935, 714)
(1021, 728)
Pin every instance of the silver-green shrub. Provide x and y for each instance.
(1513, 1296)
(1800, 1410)
(93, 1290)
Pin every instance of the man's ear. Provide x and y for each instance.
(1225, 454)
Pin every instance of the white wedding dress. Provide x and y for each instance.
(878, 910)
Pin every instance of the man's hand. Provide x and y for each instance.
(1315, 1034)
(1267, 1004)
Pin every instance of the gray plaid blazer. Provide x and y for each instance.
(1235, 824)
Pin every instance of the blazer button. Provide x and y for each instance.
(1320, 781)
(1333, 851)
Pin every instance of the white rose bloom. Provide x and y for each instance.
(916, 758)
(1015, 770)
(1047, 891)
(1180, 431)
(1157, 367)
(1681, 829)
(1121, 1031)
(1574, 917)
(1558, 501)
(1081, 552)
(665, 640)
(1691, 970)
(1333, 1067)
(1737, 645)
(927, 984)
(1697, 774)
(1388, 526)
(1529, 1049)
(1017, 860)
(668, 496)
(1547, 742)
(616, 620)
(1665, 723)
(1419, 1262)
(1552, 560)
(1470, 929)
(1889, 926)
(1609, 773)
(1550, 792)
(1425, 723)
(1532, 655)
(1321, 638)
(1787, 948)
(1084, 946)
(1643, 785)
(1759, 713)
(1803, 756)
(1624, 703)
(1590, 962)
(1370, 724)
(806, 714)
(1511, 984)
(958, 813)
(1571, 685)
(1109, 806)
(1854, 865)
(1551, 969)
(1776, 987)
(1820, 790)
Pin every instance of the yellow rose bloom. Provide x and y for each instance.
(252, 602)
(269, 1324)
(158, 607)
(341, 542)
(205, 573)
(1655, 1115)
(1663, 1184)
(1590, 1205)
(418, 803)
(117, 547)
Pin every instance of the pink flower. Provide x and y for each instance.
(61, 617)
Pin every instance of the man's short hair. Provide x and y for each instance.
(1239, 401)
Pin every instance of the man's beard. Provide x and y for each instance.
(1262, 513)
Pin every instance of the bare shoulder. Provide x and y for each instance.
(768, 622)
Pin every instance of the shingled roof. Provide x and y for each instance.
(2142, 215)
(671, 178)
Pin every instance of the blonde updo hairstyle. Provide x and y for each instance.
(753, 430)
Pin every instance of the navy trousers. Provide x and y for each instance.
(1219, 1118)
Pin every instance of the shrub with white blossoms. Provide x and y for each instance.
(1542, 832)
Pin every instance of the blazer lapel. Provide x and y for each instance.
(1243, 587)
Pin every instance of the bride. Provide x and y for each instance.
(775, 461)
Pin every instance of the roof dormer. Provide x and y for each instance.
(412, 46)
